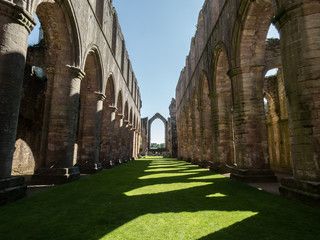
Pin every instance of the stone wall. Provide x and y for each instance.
(86, 114)
(222, 87)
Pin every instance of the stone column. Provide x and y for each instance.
(57, 165)
(115, 151)
(105, 145)
(252, 162)
(15, 25)
(299, 26)
(112, 132)
(133, 140)
(89, 159)
(125, 146)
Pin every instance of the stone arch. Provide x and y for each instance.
(110, 91)
(117, 130)
(95, 53)
(189, 131)
(251, 30)
(61, 32)
(157, 116)
(222, 111)
(195, 127)
(107, 115)
(248, 56)
(89, 117)
(277, 123)
(205, 118)
(58, 55)
(125, 138)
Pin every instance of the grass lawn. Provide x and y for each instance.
(157, 198)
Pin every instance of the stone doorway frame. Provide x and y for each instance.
(165, 122)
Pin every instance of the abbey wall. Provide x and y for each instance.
(231, 117)
(69, 104)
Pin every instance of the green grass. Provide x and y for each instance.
(156, 198)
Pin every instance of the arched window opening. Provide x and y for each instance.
(273, 32)
(157, 135)
(275, 104)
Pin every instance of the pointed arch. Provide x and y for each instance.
(205, 118)
(61, 32)
(222, 110)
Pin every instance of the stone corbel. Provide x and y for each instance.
(18, 14)
(244, 69)
(120, 115)
(101, 96)
(113, 108)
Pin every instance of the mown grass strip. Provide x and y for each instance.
(179, 201)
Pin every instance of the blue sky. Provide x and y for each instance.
(158, 36)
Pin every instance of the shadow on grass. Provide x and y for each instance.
(106, 205)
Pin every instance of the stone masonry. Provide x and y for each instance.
(222, 121)
(70, 104)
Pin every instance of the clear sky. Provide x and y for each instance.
(158, 35)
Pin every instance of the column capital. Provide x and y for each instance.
(100, 95)
(62, 69)
(120, 115)
(113, 108)
(245, 69)
(18, 14)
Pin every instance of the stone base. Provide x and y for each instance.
(118, 161)
(107, 164)
(55, 175)
(219, 168)
(90, 168)
(253, 176)
(304, 191)
(12, 189)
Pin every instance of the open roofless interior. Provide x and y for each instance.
(246, 109)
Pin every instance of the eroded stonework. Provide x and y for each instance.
(230, 117)
(70, 103)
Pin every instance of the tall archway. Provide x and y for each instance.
(195, 128)
(157, 116)
(205, 120)
(116, 131)
(89, 122)
(108, 110)
(54, 56)
(250, 132)
(222, 112)
(125, 131)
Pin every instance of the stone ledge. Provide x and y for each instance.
(12, 189)
(304, 191)
(90, 168)
(55, 175)
(253, 176)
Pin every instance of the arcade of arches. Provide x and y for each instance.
(71, 103)
(230, 117)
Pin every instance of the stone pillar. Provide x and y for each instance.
(112, 132)
(106, 144)
(116, 149)
(16, 25)
(91, 135)
(299, 26)
(252, 162)
(133, 140)
(125, 145)
(57, 165)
